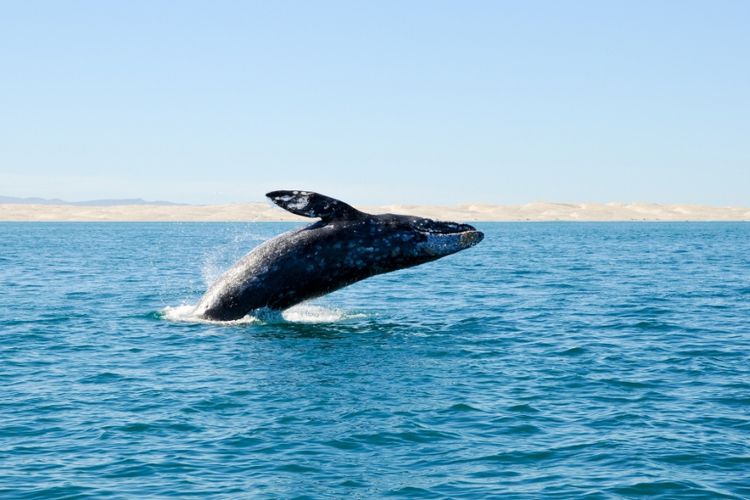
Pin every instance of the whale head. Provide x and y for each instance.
(383, 242)
(418, 240)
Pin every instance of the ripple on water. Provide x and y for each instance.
(551, 361)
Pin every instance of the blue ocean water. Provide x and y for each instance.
(553, 360)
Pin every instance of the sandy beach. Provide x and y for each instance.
(539, 211)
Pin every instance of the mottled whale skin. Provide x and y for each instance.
(344, 247)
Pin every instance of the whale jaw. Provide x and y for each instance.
(441, 244)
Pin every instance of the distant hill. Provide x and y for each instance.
(256, 212)
(89, 203)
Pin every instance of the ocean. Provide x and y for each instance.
(553, 360)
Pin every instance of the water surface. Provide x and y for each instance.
(605, 360)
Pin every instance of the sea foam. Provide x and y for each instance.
(302, 313)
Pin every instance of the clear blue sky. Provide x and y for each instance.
(377, 102)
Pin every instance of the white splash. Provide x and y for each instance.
(221, 258)
(302, 313)
(308, 313)
(186, 314)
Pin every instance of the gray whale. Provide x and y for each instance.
(343, 247)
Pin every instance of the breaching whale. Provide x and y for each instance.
(343, 247)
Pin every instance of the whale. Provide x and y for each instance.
(343, 247)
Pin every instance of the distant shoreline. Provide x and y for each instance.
(250, 212)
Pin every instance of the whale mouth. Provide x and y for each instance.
(444, 238)
(471, 238)
(466, 232)
(441, 227)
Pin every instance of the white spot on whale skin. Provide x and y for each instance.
(300, 203)
(295, 201)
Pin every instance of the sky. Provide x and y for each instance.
(413, 102)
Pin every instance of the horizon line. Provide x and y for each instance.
(114, 202)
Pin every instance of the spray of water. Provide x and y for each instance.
(302, 313)
(218, 260)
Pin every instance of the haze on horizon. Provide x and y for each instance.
(381, 102)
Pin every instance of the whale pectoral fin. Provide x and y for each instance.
(309, 204)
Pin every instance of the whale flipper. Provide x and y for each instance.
(309, 204)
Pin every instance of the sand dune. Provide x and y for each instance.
(539, 211)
